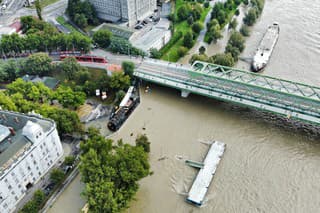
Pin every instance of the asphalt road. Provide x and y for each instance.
(16, 10)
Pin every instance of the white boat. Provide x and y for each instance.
(266, 46)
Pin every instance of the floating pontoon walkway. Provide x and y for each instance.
(201, 183)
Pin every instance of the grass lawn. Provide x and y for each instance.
(171, 49)
(44, 3)
(63, 22)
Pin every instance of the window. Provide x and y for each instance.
(16, 198)
(29, 168)
(19, 186)
(5, 205)
(34, 162)
(9, 187)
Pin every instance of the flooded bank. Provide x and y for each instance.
(269, 165)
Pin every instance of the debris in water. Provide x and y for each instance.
(131, 134)
(163, 158)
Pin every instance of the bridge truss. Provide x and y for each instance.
(294, 100)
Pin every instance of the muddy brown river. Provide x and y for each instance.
(270, 165)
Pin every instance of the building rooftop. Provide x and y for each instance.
(14, 143)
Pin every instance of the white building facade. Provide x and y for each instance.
(124, 10)
(26, 154)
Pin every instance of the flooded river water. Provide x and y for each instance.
(269, 165)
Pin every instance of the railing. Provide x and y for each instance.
(294, 99)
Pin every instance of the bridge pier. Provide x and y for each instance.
(184, 93)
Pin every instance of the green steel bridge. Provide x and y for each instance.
(287, 98)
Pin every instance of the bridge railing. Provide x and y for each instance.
(266, 82)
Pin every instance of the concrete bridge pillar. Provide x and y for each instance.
(184, 93)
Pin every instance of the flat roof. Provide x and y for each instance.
(201, 183)
(15, 144)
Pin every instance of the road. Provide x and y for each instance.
(13, 12)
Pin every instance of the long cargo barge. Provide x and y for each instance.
(266, 46)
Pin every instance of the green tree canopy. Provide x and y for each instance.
(56, 175)
(111, 172)
(70, 67)
(69, 98)
(188, 39)
(38, 64)
(102, 38)
(154, 53)
(128, 68)
(197, 27)
(143, 141)
(119, 81)
(222, 59)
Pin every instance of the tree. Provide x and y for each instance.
(29, 207)
(223, 59)
(244, 30)
(38, 64)
(38, 198)
(70, 67)
(69, 160)
(56, 176)
(6, 103)
(236, 40)
(120, 95)
(188, 39)
(154, 53)
(196, 57)
(38, 8)
(183, 13)
(197, 27)
(67, 121)
(206, 4)
(102, 38)
(128, 68)
(111, 172)
(69, 98)
(81, 20)
(233, 24)
(9, 70)
(143, 141)
(82, 76)
(123, 46)
(214, 33)
(250, 17)
(234, 51)
(119, 81)
(190, 20)
(202, 50)
(182, 51)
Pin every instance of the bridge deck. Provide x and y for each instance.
(263, 92)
